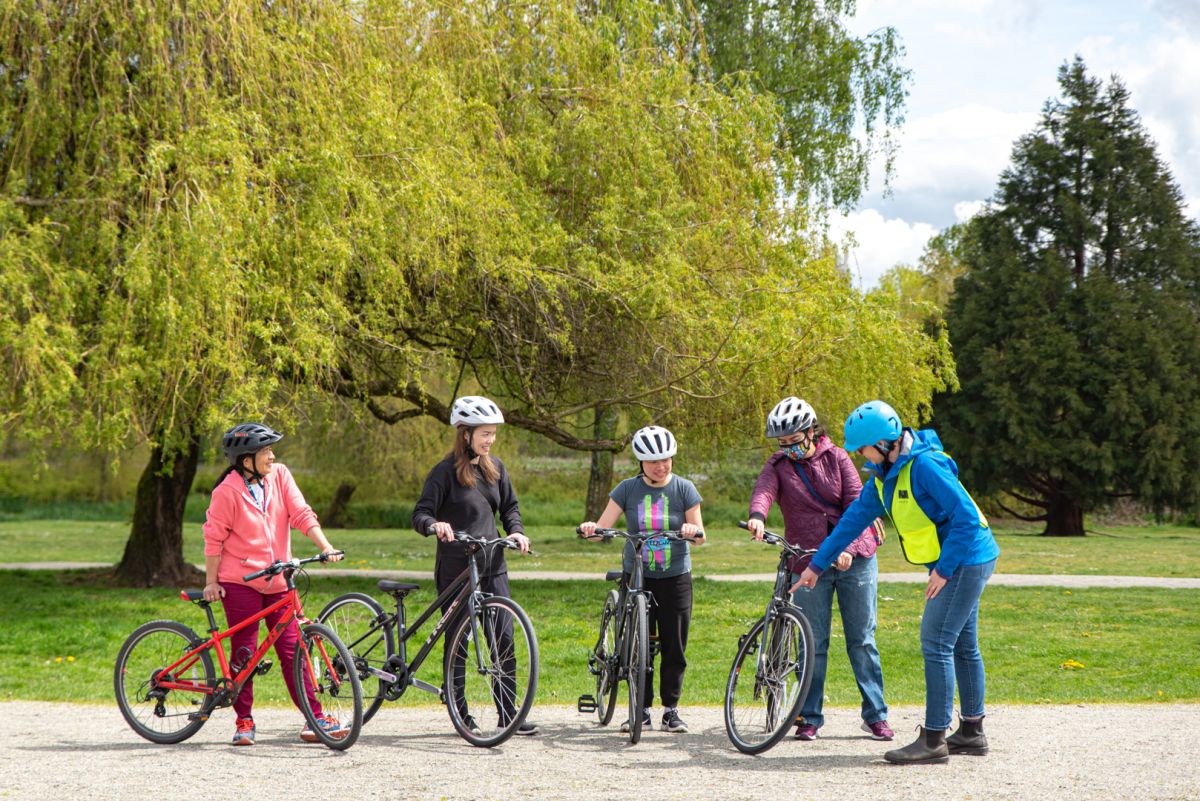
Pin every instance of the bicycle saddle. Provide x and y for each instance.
(400, 588)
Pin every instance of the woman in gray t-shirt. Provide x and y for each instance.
(658, 500)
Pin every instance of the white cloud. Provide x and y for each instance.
(966, 209)
(879, 243)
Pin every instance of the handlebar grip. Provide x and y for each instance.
(743, 524)
(255, 574)
(325, 556)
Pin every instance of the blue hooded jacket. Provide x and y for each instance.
(964, 537)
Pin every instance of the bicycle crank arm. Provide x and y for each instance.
(429, 688)
(390, 678)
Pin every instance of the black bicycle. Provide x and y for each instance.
(622, 651)
(772, 671)
(490, 666)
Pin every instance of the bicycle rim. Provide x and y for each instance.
(357, 621)
(763, 696)
(491, 673)
(162, 716)
(604, 660)
(639, 636)
(330, 692)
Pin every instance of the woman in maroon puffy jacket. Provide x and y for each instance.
(813, 482)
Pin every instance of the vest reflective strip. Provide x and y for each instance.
(917, 533)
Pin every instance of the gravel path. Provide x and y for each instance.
(69, 751)
(1004, 579)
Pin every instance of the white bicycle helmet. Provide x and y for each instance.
(475, 410)
(653, 443)
(790, 416)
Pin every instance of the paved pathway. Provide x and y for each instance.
(1006, 579)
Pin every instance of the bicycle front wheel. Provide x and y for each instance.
(639, 642)
(763, 695)
(158, 714)
(360, 623)
(604, 659)
(328, 686)
(491, 672)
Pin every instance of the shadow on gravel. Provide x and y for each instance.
(708, 748)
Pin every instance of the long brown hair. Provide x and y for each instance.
(462, 460)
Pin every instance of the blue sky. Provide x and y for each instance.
(982, 69)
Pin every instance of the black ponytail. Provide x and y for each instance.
(224, 475)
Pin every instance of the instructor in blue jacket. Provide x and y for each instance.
(915, 484)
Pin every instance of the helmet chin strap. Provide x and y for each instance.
(253, 471)
(471, 454)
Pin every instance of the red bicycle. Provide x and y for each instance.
(167, 686)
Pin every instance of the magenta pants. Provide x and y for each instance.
(242, 602)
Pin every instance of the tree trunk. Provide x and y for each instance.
(1064, 517)
(600, 478)
(336, 516)
(154, 552)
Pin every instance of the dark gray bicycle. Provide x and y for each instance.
(772, 671)
(622, 651)
(490, 663)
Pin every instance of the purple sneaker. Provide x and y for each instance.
(879, 730)
(806, 731)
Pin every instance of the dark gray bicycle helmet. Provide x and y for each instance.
(247, 439)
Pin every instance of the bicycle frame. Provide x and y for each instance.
(465, 591)
(228, 686)
(781, 597)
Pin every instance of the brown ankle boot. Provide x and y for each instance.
(928, 749)
(969, 739)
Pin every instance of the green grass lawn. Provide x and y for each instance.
(1172, 551)
(61, 634)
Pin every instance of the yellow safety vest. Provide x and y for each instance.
(917, 533)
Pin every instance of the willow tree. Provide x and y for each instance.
(617, 246)
(184, 214)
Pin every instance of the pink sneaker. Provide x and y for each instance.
(879, 730)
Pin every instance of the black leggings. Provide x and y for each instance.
(670, 617)
(500, 641)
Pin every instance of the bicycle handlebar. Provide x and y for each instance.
(279, 565)
(500, 542)
(775, 539)
(609, 533)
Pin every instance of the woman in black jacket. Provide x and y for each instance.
(465, 492)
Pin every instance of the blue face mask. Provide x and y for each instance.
(795, 452)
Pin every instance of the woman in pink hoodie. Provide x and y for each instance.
(254, 506)
(813, 482)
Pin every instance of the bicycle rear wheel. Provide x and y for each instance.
(639, 639)
(359, 622)
(762, 697)
(603, 660)
(491, 672)
(157, 714)
(328, 686)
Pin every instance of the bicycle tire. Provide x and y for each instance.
(605, 659)
(759, 708)
(358, 621)
(639, 638)
(494, 687)
(150, 712)
(324, 663)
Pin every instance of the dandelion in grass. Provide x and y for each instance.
(70, 659)
(1072, 664)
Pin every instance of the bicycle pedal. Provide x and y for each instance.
(263, 667)
(201, 716)
(586, 704)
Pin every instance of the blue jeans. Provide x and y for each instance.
(950, 645)
(856, 600)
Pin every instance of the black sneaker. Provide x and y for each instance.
(647, 723)
(527, 729)
(671, 722)
(471, 725)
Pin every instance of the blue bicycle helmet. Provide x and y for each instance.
(870, 423)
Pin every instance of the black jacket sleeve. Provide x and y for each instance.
(433, 494)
